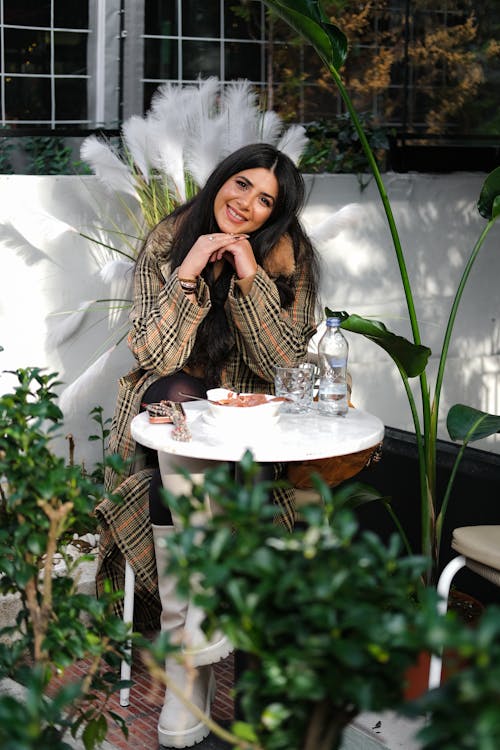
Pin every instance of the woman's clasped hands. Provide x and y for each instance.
(211, 248)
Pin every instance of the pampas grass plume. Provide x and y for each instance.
(108, 167)
(136, 136)
(293, 142)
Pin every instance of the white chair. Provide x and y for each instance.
(479, 550)
(128, 618)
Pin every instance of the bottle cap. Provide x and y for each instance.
(333, 321)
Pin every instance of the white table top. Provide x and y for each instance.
(293, 438)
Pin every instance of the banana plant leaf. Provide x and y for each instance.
(410, 358)
(353, 494)
(467, 424)
(308, 19)
(489, 199)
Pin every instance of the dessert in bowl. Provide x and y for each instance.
(241, 410)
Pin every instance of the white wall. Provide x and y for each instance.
(48, 267)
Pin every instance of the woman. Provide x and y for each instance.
(225, 290)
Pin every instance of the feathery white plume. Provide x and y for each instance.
(270, 128)
(167, 97)
(203, 106)
(78, 392)
(110, 169)
(136, 136)
(171, 109)
(117, 271)
(203, 155)
(63, 330)
(241, 115)
(293, 142)
(168, 157)
(347, 217)
(205, 146)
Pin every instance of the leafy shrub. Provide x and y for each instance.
(42, 502)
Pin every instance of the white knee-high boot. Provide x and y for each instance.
(177, 726)
(194, 642)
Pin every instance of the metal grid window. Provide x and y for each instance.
(94, 63)
(55, 63)
(184, 39)
(44, 74)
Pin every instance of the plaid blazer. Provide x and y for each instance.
(164, 323)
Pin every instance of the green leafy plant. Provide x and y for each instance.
(463, 712)
(327, 614)
(47, 155)
(334, 146)
(42, 502)
(307, 17)
(103, 432)
(6, 148)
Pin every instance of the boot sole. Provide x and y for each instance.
(183, 739)
(189, 737)
(209, 655)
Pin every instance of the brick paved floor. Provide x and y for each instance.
(146, 700)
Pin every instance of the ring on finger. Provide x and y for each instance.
(211, 238)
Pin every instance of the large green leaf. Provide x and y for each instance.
(489, 200)
(411, 358)
(353, 494)
(467, 424)
(308, 18)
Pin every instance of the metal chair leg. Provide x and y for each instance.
(443, 589)
(128, 618)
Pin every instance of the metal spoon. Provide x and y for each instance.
(196, 398)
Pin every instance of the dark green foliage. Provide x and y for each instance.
(47, 154)
(334, 146)
(329, 614)
(6, 147)
(42, 502)
(102, 435)
(464, 713)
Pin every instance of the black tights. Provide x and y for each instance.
(168, 388)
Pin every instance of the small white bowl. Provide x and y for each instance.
(240, 416)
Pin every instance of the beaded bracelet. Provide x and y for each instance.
(188, 286)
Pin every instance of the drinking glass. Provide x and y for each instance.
(296, 384)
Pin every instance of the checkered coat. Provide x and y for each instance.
(164, 323)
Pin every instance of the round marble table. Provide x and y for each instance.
(292, 438)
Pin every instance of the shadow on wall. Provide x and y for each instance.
(50, 270)
(438, 222)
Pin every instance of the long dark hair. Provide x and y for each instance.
(196, 217)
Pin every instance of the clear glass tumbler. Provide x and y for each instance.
(296, 384)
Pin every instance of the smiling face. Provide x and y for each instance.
(246, 201)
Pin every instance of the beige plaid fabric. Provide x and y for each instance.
(163, 329)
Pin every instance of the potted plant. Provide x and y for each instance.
(326, 615)
(463, 713)
(43, 502)
(465, 423)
